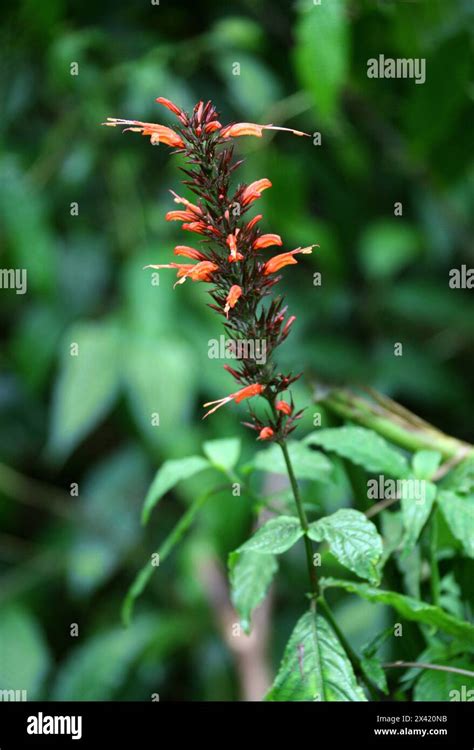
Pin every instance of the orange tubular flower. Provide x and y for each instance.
(253, 221)
(180, 216)
(255, 389)
(172, 107)
(212, 126)
(251, 128)
(230, 254)
(266, 240)
(283, 407)
(158, 133)
(189, 206)
(232, 243)
(199, 272)
(234, 295)
(284, 259)
(195, 226)
(254, 190)
(266, 433)
(189, 252)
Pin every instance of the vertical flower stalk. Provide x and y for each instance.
(235, 258)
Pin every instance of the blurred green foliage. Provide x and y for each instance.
(68, 559)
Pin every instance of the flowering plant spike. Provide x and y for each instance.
(232, 253)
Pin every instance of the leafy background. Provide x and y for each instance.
(69, 559)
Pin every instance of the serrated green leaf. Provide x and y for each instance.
(415, 513)
(322, 52)
(353, 540)
(363, 447)
(459, 514)
(250, 576)
(307, 463)
(407, 607)
(315, 666)
(168, 475)
(437, 685)
(275, 536)
(424, 463)
(223, 453)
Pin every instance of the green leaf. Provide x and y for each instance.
(372, 668)
(25, 657)
(424, 123)
(307, 463)
(435, 685)
(415, 513)
(424, 463)
(255, 88)
(363, 447)
(322, 53)
(88, 383)
(461, 478)
(459, 514)
(250, 576)
(143, 576)
(353, 540)
(387, 246)
(26, 224)
(407, 607)
(167, 476)
(223, 453)
(110, 495)
(97, 669)
(315, 666)
(148, 365)
(275, 536)
(371, 664)
(451, 595)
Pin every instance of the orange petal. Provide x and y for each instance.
(266, 240)
(189, 252)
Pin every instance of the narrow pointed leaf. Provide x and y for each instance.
(168, 476)
(251, 574)
(408, 607)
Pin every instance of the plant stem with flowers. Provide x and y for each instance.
(319, 662)
(231, 258)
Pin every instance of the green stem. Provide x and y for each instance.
(313, 578)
